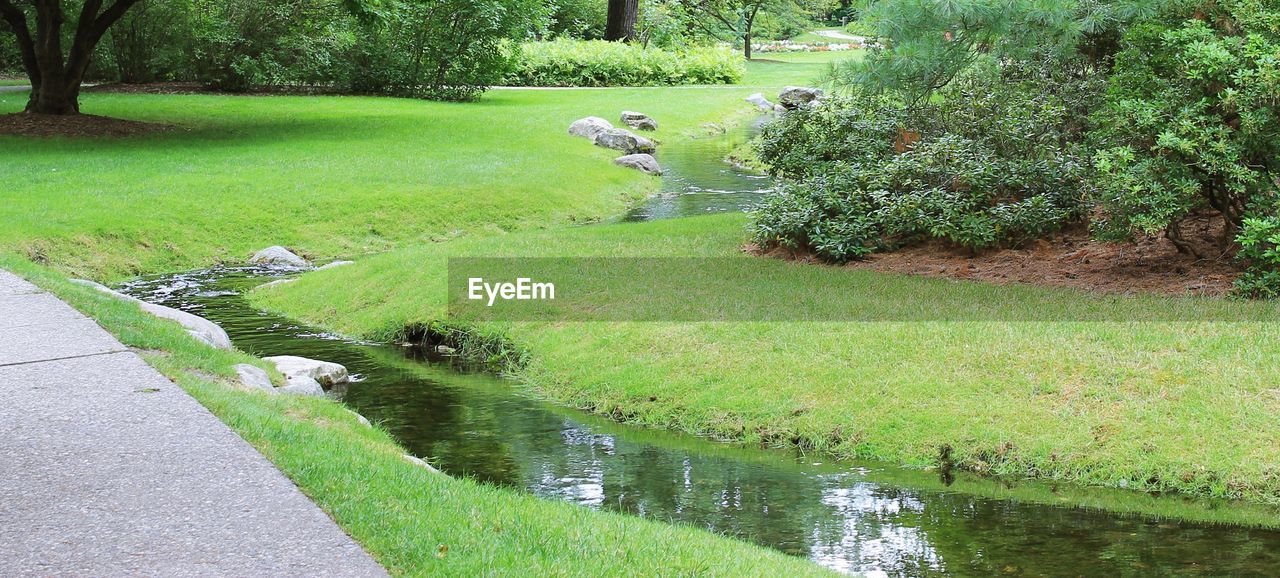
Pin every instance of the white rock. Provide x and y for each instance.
(625, 141)
(254, 377)
(278, 282)
(202, 329)
(760, 101)
(639, 120)
(363, 420)
(302, 385)
(277, 256)
(589, 126)
(418, 462)
(323, 371)
(336, 264)
(642, 162)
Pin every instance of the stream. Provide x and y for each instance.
(855, 517)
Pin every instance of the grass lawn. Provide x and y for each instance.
(328, 176)
(14, 82)
(412, 521)
(1187, 406)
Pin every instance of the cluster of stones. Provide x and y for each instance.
(639, 150)
(791, 98)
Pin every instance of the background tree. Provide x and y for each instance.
(621, 21)
(736, 20)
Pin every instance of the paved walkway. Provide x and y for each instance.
(107, 468)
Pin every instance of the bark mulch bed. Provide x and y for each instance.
(78, 125)
(1072, 259)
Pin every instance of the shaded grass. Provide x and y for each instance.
(412, 521)
(1146, 404)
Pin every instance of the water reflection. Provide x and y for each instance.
(866, 518)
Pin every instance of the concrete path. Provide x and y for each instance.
(107, 468)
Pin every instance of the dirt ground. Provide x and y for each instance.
(80, 125)
(1073, 259)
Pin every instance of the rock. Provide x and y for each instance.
(638, 120)
(335, 264)
(418, 462)
(362, 419)
(778, 108)
(643, 162)
(277, 256)
(793, 97)
(302, 385)
(445, 350)
(254, 377)
(323, 371)
(760, 101)
(278, 282)
(202, 329)
(589, 126)
(625, 141)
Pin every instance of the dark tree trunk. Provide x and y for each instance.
(747, 24)
(56, 77)
(621, 23)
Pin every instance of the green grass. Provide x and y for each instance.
(328, 176)
(14, 82)
(1187, 406)
(402, 514)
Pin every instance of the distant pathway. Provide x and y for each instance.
(840, 35)
(107, 468)
(14, 88)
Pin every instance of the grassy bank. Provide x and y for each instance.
(412, 521)
(1153, 405)
(328, 176)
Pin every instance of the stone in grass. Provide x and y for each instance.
(302, 385)
(625, 141)
(793, 97)
(335, 264)
(322, 371)
(277, 256)
(589, 127)
(760, 101)
(254, 377)
(644, 163)
(639, 120)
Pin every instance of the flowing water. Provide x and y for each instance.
(857, 517)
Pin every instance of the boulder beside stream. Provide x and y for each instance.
(325, 372)
(642, 162)
(639, 120)
(254, 377)
(200, 328)
(277, 256)
(589, 127)
(625, 141)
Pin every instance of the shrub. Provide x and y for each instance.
(991, 164)
(599, 63)
(1260, 249)
(1191, 123)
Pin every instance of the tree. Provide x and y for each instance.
(621, 21)
(737, 17)
(56, 76)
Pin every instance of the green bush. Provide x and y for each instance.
(991, 164)
(600, 63)
(1260, 248)
(1191, 124)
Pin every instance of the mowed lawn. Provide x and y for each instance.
(1129, 399)
(329, 176)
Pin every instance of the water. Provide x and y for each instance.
(855, 517)
(696, 180)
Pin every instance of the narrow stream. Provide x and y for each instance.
(854, 517)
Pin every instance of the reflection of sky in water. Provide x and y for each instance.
(843, 516)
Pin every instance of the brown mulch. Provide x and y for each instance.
(1073, 259)
(78, 125)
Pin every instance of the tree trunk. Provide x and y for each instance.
(746, 43)
(748, 23)
(621, 22)
(55, 77)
